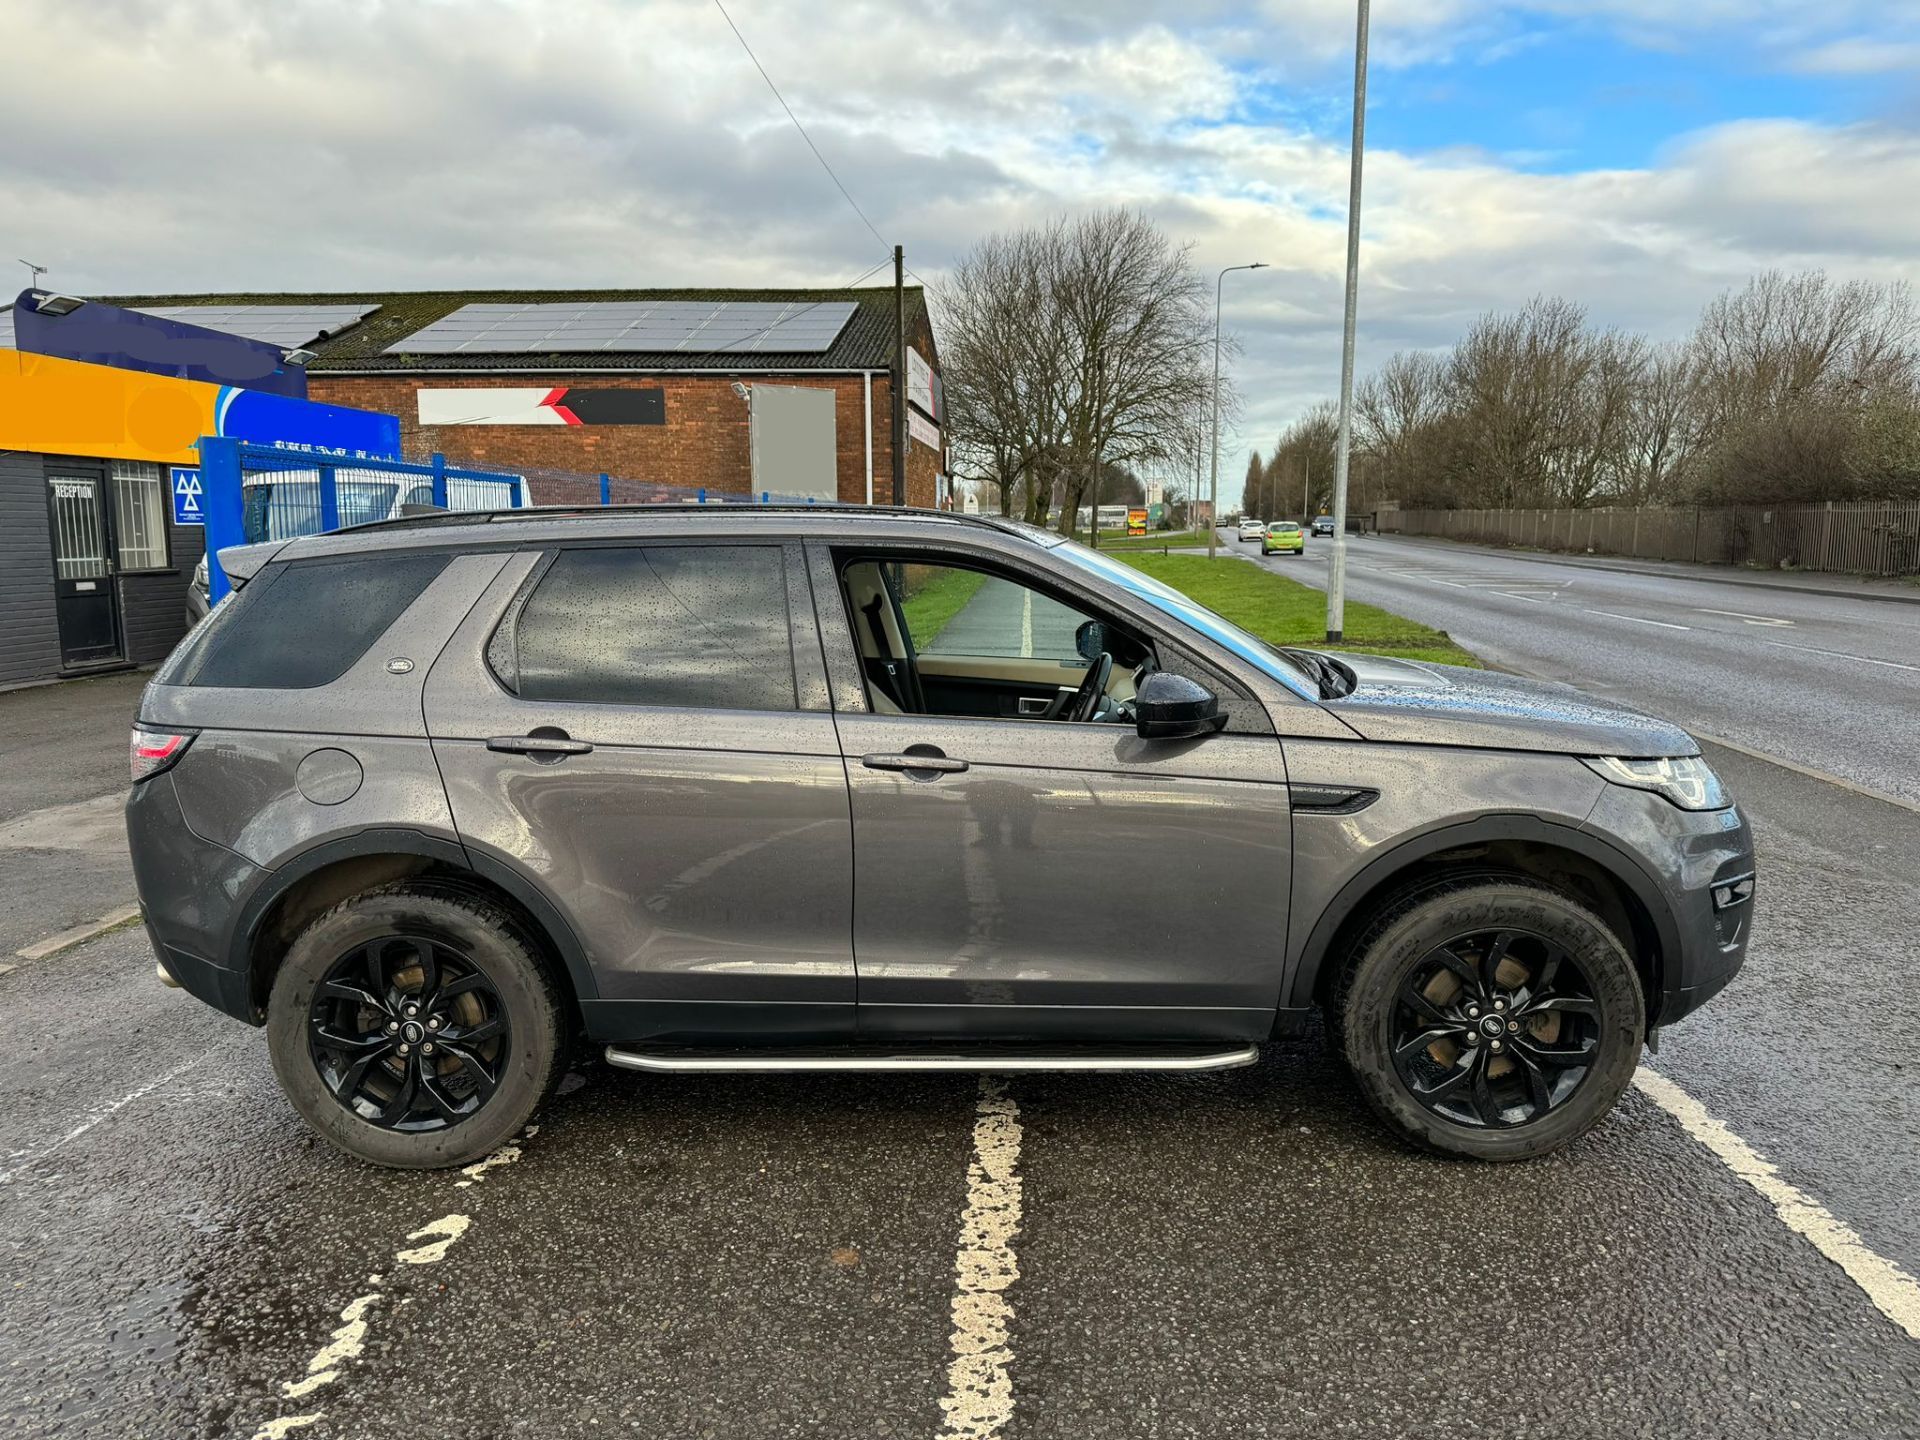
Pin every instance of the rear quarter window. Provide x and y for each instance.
(300, 625)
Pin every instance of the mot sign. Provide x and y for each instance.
(188, 508)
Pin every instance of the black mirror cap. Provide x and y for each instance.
(1173, 707)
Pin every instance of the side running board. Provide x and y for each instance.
(748, 1060)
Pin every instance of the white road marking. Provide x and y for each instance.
(1806, 770)
(347, 1343)
(1894, 1293)
(1530, 599)
(447, 1229)
(1026, 624)
(1615, 615)
(1742, 615)
(1839, 654)
(350, 1339)
(505, 1155)
(979, 1398)
(23, 1158)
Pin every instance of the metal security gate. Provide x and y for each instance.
(86, 604)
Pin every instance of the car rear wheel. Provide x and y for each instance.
(1491, 1019)
(414, 1028)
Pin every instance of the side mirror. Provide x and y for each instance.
(1091, 640)
(1172, 707)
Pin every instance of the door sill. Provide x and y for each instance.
(1115, 1058)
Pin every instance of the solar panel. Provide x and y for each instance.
(696, 327)
(283, 325)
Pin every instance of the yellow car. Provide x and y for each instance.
(1283, 537)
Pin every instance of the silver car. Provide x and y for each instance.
(812, 788)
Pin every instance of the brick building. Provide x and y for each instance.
(786, 391)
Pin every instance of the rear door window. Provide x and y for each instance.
(697, 626)
(299, 625)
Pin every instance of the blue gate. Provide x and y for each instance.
(258, 492)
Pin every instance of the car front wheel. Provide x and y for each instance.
(413, 1028)
(1492, 1019)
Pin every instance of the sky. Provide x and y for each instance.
(1636, 156)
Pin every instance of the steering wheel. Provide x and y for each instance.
(1087, 698)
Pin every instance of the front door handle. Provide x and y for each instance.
(918, 765)
(547, 744)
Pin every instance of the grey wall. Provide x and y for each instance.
(29, 639)
(152, 605)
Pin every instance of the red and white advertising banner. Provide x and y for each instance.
(543, 405)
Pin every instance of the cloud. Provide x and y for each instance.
(1859, 55)
(342, 144)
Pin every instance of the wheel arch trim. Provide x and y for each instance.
(275, 884)
(1381, 871)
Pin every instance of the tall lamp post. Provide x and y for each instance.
(1337, 566)
(1213, 486)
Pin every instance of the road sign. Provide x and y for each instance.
(1137, 520)
(187, 506)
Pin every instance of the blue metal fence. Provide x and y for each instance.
(257, 492)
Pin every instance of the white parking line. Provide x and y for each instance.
(20, 1159)
(349, 1339)
(1839, 654)
(1742, 615)
(1894, 1293)
(979, 1398)
(1616, 615)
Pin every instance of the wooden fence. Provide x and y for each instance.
(1871, 538)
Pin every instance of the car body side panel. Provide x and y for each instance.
(1069, 865)
(703, 858)
(269, 794)
(1422, 789)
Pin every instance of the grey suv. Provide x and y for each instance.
(812, 788)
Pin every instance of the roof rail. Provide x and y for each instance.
(838, 509)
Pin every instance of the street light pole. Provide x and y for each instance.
(1337, 567)
(1213, 487)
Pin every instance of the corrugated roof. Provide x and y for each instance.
(865, 344)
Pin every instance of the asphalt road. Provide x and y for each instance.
(1809, 1055)
(1827, 680)
(1241, 1254)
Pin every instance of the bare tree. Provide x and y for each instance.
(1072, 345)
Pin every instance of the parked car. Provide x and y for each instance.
(806, 788)
(1323, 526)
(1283, 537)
(1251, 530)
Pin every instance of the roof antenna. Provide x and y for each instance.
(34, 274)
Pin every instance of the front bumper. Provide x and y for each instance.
(1696, 856)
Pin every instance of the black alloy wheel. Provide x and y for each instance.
(408, 1033)
(1495, 1028)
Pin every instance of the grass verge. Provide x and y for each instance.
(1285, 612)
(934, 596)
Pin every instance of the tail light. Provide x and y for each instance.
(151, 751)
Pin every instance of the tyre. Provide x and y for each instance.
(414, 1028)
(1490, 1018)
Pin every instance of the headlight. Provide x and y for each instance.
(1685, 780)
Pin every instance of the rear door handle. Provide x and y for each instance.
(546, 744)
(929, 764)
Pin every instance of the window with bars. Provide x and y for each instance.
(140, 515)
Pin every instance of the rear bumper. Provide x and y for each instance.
(189, 892)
